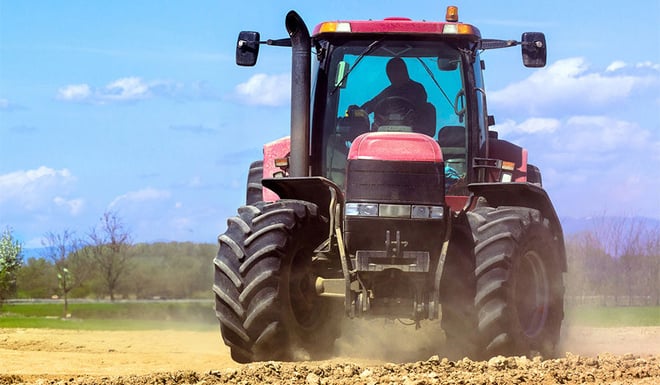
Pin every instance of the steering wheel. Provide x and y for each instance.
(394, 110)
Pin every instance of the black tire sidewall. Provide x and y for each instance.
(272, 237)
(536, 238)
(509, 234)
(253, 188)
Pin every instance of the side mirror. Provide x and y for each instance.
(448, 61)
(247, 48)
(447, 64)
(534, 50)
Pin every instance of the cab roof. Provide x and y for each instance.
(397, 26)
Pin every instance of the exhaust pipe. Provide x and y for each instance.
(300, 94)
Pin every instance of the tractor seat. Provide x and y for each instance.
(453, 143)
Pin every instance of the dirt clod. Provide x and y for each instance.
(38, 356)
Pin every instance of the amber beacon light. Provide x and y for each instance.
(452, 14)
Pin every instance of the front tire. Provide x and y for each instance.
(265, 299)
(519, 286)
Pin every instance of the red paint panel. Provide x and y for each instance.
(502, 149)
(456, 202)
(403, 146)
(394, 25)
(279, 148)
(400, 25)
(522, 169)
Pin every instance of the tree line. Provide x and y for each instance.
(162, 270)
(615, 262)
(104, 263)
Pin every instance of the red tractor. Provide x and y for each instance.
(391, 198)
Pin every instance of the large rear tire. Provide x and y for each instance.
(255, 190)
(265, 298)
(519, 287)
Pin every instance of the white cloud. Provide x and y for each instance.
(74, 92)
(131, 88)
(39, 200)
(74, 206)
(600, 134)
(140, 196)
(529, 126)
(593, 161)
(569, 85)
(8, 105)
(33, 189)
(125, 89)
(582, 138)
(268, 90)
(616, 65)
(648, 65)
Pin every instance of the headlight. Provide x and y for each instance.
(394, 211)
(362, 209)
(427, 212)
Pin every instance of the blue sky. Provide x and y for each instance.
(138, 107)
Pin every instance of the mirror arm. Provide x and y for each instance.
(286, 42)
(496, 43)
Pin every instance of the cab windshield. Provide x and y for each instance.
(403, 86)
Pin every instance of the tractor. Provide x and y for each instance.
(391, 198)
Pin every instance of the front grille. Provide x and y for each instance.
(394, 181)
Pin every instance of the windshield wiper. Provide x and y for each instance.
(428, 70)
(364, 53)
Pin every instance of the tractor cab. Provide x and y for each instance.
(380, 84)
(390, 75)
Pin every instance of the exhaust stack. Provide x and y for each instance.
(300, 94)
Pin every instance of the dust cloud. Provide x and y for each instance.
(391, 340)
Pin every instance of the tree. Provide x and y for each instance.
(37, 278)
(67, 254)
(616, 261)
(650, 280)
(591, 271)
(11, 258)
(110, 242)
(626, 239)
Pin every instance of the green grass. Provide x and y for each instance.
(619, 316)
(95, 324)
(111, 316)
(195, 315)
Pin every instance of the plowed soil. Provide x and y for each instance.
(369, 353)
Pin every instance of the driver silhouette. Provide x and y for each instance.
(402, 87)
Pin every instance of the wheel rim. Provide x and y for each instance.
(303, 300)
(532, 294)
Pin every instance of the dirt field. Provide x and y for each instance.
(39, 356)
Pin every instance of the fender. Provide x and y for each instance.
(313, 189)
(277, 149)
(523, 195)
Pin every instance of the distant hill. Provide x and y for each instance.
(573, 225)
